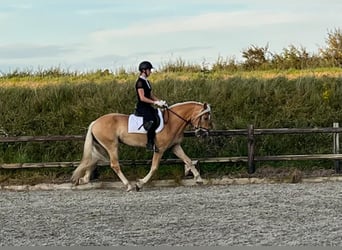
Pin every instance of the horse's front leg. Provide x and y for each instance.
(179, 152)
(154, 166)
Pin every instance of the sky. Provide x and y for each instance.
(88, 35)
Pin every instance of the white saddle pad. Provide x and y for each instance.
(135, 123)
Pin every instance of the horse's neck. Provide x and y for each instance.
(180, 116)
(183, 113)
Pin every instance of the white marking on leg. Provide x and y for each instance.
(179, 152)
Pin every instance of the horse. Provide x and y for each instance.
(106, 133)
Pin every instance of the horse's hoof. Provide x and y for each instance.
(187, 172)
(138, 186)
(199, 181)
(75, 182)
(81, 182)
(129, 188)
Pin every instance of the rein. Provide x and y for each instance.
(173, 112)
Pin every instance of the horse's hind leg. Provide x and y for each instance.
(114, 164)
(179, 152)
(91, 165)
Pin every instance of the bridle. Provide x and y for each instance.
(197, 128)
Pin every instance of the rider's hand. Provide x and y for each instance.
(164, 104)
(161, 103)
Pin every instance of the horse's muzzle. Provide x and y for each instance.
(201, 132)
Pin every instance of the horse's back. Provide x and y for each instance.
(110, 124)
(113, 116)
(110, 129)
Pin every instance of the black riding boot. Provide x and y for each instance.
(150, 146)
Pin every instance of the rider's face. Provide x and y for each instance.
(148, 72)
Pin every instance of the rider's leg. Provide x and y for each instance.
(151, 133)
(150, 125)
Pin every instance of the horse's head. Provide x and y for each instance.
(195, 113)
(201, 121)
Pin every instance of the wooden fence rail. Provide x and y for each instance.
(250, 133)
(231, 132)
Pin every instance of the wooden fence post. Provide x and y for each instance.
(251, 143)
(336, 148)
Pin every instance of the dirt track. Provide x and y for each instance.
(262, 214)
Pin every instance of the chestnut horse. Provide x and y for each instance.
(105, 134)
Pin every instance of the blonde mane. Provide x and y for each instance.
(182, 103)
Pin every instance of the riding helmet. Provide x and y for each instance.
(145, 65)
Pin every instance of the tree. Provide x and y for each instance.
(333, 52)
(292, 57)
(255, 57)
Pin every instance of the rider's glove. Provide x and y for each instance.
(164, 104)
(161, 103)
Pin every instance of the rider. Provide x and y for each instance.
(145, 101)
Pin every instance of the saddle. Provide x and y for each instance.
(136, 121)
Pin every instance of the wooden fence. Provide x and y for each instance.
(251, 133)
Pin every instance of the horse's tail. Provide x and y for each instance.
(87, 162)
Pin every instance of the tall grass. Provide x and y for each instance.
(68, 108)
